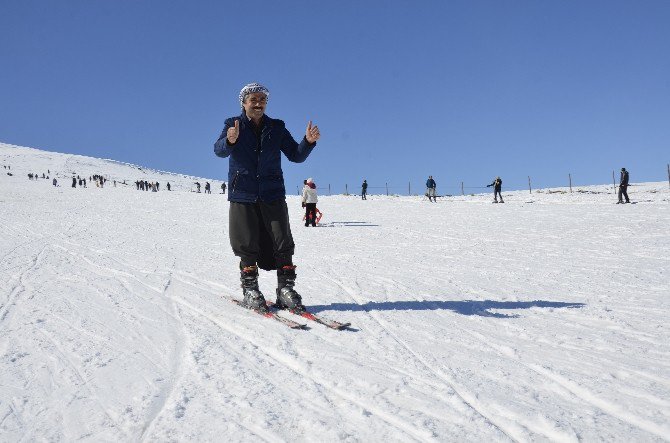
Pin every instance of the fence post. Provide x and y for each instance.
(530, 190)
(328, 188)
(613, 182)
(387, 189)
(570, 180)
(462, 189)
(346, 189)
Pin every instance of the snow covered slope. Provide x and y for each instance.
(543, 319)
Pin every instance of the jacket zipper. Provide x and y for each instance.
(235, 180)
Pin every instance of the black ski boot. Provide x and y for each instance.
(287, 298)
(253, 297)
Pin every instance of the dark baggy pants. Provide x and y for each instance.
(623, 193)
(310, 214)
(497, 193)
(260, 232)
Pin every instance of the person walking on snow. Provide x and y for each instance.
(623, 186)
(497, 188)
(309, 199)
(364, 190)
(259, 229)
(430, 189)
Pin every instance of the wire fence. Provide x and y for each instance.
(409, 189)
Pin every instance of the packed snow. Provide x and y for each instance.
(541, 319)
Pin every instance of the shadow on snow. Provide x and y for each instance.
(465, 307)
(346, 224)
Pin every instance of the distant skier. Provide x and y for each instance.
(259, 227)
(168, 186)
(430, 189)
(310, 199)
(497, 188)
(55, 182)
(623, 186)
(208, 189)
(364, 190)
(223, 188)
(74, 181)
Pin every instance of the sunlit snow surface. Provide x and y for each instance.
(541, 319)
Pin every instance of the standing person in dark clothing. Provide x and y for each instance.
(223, 188)
(259, 229)
(623, 186)
(497, 188)
(168, 186)
(74, 181)
(364, 190)
(430, 189)
(208, 189)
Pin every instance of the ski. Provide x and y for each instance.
(283, 320)
(332, 324)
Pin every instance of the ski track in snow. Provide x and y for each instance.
(543, 319)
(467, 398)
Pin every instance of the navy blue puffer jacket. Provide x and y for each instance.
(254, 170)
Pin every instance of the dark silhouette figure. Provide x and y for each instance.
(623, 186)
(497, 188)
(364, 190)
(431, 186)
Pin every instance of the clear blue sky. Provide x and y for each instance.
(462, 90)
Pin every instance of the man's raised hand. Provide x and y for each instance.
(312, 133)
(234, 132)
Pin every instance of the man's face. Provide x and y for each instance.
(254, 105)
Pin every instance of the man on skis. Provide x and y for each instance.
(497, 190)
(259, 230)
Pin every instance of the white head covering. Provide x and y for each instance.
(251, 88)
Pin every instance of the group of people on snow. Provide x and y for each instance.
(145, 185)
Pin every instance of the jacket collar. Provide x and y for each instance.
(247, 121)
